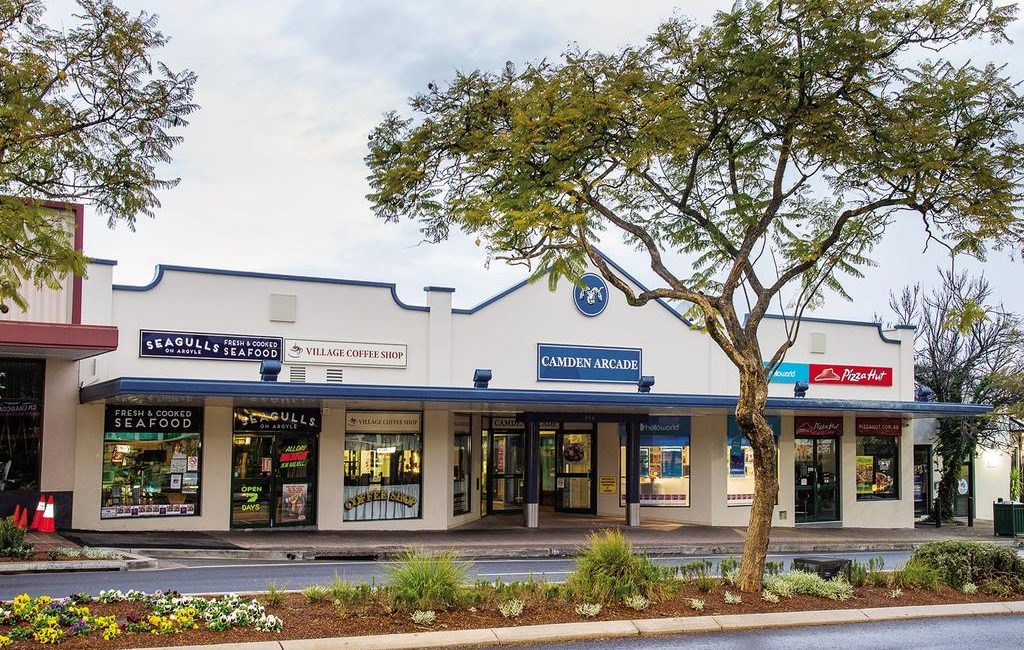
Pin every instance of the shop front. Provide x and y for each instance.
(274, 467)
(816, 471)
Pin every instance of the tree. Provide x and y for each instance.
(86, 116)
(770, 150)
(968, 351)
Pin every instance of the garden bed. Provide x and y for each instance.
(304, 620)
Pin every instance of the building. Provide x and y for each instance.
(387, 415)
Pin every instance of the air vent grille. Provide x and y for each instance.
(297, 374)
(335, 375)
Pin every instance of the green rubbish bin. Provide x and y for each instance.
(1008, 518)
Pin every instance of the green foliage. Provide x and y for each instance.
(607, 570)
(88, 116)
(346, 594)
(977, 562)
(512, 608)
(919, 574)
(858, 573)
(12, 540)
(424, 617)
(811, 584)
(696, 604)
(728, 565)
(773, 568)
(637, 602)
(316, 594)
(1016, 485)
(588, 610)
(427, 581)
(731, 598)
(276, 593)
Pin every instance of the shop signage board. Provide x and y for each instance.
(607, 485)
(258, 420)
(789, 373)
(346, 353)
(383, 422)
(585, 363)
(879, 427)
(827, 427)
(153, 419)
(837, 373)
(161, 344)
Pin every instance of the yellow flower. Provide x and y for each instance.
(5, 640)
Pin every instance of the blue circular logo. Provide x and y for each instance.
(590, 295)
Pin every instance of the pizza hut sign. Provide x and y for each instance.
(818, 426)
(835, 373)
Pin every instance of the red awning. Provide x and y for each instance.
(55, 340)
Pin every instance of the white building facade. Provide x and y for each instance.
(374, 421)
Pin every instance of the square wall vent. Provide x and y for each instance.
(297, 374)
(335, 375)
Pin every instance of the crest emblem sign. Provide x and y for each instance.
(591, 295)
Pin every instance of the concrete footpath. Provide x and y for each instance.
(504, 537)
(620, 629)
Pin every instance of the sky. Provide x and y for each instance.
(272, 172)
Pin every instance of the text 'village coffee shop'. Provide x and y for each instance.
(278, 401)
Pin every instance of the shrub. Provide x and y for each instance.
(916, 573)
(996, 587)
(588, 610)
(275, 593)
(969, 588)
(424, 617)
(896, 593)
(607, 570)
(12, 540)
(345, 594)
(511, 608)
(706, 584)
(811, 584)
(772, 568)
(858, 573)
(732, 599)
(728, 565)
(637, 602)
(769, 597)
(696, 604)
(316, 594)
(962, 562)
(427, 581)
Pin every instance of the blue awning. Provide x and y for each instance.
(143, 389)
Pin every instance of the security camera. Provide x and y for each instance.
(4, 309)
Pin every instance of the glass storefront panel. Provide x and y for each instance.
(740, 455)
(151, 462)
(816, 473)
(574, 469)
(664, 462)
(21, 410)
(878, 461)
(383, 466)
(461, 466)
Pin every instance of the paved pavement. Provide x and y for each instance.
(200, 576)
(989, 632)
(503, 536)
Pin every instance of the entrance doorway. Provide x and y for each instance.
(922, 480)
(817, 479)
(568, 464)
(273, 480)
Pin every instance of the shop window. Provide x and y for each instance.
(151, 462)
(664, 463)
(740, 458)
(878, 463)
(383, 456)
(462, 462)
(21, 409)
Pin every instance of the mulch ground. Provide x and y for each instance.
(304, 620)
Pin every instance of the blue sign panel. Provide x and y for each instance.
(588, 363)
(193, 345)
(592, 297)
(790, 373)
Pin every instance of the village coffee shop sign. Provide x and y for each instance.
(345, 353)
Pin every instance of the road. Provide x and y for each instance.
(959, 633)
(205, 576)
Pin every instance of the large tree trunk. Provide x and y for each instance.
(753, 396)
(954, 448)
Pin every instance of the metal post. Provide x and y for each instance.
(633, 474)
(970, 490)
(531, 509)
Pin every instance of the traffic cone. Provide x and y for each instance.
(23, 522)
(46, 525)
(37, 518)
(16, 517)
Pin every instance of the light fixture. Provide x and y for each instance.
(800, 389)
(923, 394)
(645, 383)
(269, 370)
(481, 377)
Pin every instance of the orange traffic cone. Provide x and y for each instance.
(23, 522)
(46, 525)
(16, 517)
(37, 518)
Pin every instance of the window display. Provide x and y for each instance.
(664, 462)
(151, 461)
(878, 458)
(740, 455)
(21, 394)
(383, 452)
